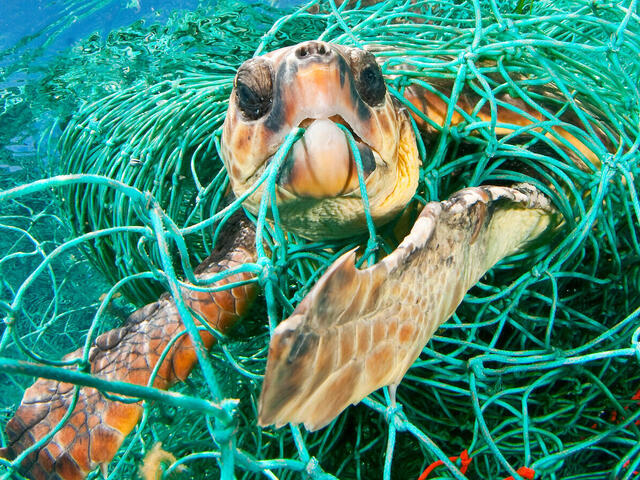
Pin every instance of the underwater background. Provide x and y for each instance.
(500, 379)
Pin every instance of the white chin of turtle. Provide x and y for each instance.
(321, 164)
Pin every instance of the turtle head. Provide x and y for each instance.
(318, 86)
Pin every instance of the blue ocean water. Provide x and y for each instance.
(29, 24)
(34, 34)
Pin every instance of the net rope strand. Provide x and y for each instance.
(537, 371)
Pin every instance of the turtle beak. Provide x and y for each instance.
(321, 164)
(319, 96)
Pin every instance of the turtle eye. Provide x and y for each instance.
(369, 81)
(254, 88)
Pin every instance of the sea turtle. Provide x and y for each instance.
(357, 329)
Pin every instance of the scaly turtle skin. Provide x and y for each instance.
(98, 425)
(357, 330)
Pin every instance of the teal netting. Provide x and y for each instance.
(538, 367)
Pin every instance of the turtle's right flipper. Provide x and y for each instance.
(97, 427)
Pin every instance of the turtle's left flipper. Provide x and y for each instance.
(359, 330)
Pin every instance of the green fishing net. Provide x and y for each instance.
(538, 368)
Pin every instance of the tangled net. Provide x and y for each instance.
(538, 367)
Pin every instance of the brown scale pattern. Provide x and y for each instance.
(358, 330)
(98, 426)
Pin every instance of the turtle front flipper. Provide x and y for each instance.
(359, 330)
(98, 426)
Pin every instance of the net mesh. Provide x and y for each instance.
(538, 367)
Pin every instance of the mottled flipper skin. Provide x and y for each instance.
(98, 426)
(359, 330)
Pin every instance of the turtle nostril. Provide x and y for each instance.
(310, 49)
